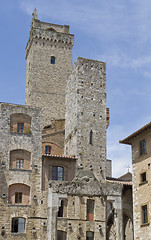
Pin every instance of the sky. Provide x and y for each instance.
(117, 32)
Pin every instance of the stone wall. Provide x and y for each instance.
(30, 208)
(86, 115)
(46, 82)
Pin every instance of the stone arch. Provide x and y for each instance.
(20, 123)
(20, 159)
(19, 194)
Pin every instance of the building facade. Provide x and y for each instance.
(141, 160)
(56, 182)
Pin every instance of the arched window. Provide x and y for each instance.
(20, 159)
(52, 60)
(19, 194)
(57, 173)
(18, 225)
(91, 137)
(20, 123)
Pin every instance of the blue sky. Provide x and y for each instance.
(117, 32)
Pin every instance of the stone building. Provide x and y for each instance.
(141, 160)
(56, 182)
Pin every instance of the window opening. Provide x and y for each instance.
(20, 127)
(18, 225)
(144, 214)
(52, 60)
(89, 235)
(142, 147)
(90, 210)
(48, 150)
(19, 163)
(57, 173)
(91, 137)
(143, 177)
(18, 197)
(60, 212)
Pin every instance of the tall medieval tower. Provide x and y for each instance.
(85, 125)
(49, 61)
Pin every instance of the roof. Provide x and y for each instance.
(58, 156)
(126, 177)
(118, 180)
(128, 139)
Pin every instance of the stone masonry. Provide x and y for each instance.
(55, 180)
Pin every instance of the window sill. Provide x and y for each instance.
(18, 234)
(145, 225)
(19, 170)
(142, 183)
(18, 205)
(21, 134)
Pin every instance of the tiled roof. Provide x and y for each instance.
(58, 156)
(117, 180)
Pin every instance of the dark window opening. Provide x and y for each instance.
(144, 214)
(20, 127)
(142, 147)
(89, 235)
(57, 173)
(61, 235)
(90, 210)
(47, 149)
(91, 137)
(18, 197)
(60, 212)
(143, 177)
(18, 225)
(52, 60)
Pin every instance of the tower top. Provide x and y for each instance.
(35, 16)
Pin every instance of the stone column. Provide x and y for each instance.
(118, 216)
(53, 207)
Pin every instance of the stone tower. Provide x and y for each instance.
(85, 126)
(49, 61)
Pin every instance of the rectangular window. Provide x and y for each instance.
(89, 235)
(142, 147)
(18, 225)
(48, 150)
(57, 173)
(20, 127)
(143, 177)
(52, 60)
(19, 163)
(144, 214)
(90, 210)
(18, 197)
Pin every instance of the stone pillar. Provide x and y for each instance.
(53, 207)
(118, 216)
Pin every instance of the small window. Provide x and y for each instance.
(19, 163)
(18, 225)
(61, 235)
(18, 197)
(143, 177)
(20, 127)
(60, 212)
(52, 60)
(91, 137)
(48, 150)
(89, 235)
(144, 214)
(57, 173)
(142, 147)
(90, 210)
